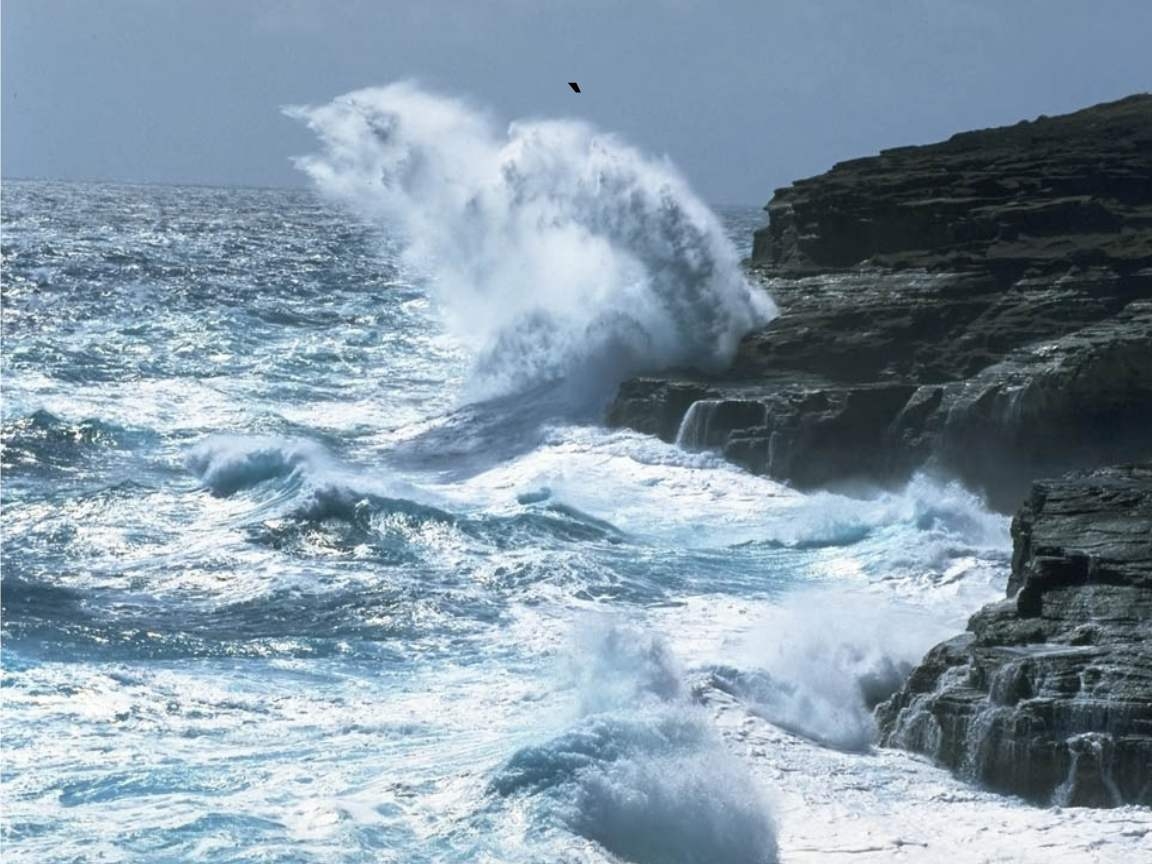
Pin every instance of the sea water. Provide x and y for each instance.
(315, 547)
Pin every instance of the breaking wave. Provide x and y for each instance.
(819, 663)
(642, 772)
(557, 252)
(227, 464)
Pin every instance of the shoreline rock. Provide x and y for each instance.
(1048, 695)
(982, 306)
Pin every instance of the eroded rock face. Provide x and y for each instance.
(1049, 693)
(984, 305)
(1058, 187)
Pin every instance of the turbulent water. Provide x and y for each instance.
(314, 549)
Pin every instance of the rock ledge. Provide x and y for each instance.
(983, 305)
(1049, 693)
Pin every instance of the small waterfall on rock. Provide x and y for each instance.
(694, 428)
(1089, 772)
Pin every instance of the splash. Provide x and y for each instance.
(557, 252)
(825, 658)
(642, 772)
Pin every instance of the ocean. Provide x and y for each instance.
(316, 547)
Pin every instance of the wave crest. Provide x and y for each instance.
(228, 464)
(642, 773)
(647, 788)
(558, 252)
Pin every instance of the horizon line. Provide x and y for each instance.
(304, 186)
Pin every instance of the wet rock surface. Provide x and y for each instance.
(983, 305)
(1049, 693)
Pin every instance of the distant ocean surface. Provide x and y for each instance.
(296, 571)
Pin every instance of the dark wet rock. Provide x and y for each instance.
(1049, 693)
(983, 305)
(1054, 189)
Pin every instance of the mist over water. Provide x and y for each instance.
(556, 252)
(818, 664)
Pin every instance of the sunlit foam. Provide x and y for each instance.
(556, 251)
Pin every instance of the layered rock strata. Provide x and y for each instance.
(983, 305)
(1048, 694)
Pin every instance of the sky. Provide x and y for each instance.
(743, 96)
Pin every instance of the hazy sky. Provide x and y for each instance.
(744, 96)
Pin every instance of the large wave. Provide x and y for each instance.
(556, 252)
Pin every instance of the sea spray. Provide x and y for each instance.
(374, 703)
(557, 252)
(641, 772)
(819, 663)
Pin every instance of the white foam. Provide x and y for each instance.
(642, 772)
(556, 251)
(828, 656)
(840, 807)
(649, 488)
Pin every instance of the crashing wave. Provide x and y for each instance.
(228, 464)
(557, 252)
(642, 773)
(818, 664)
(647, 787)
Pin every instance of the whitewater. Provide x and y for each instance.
(316, 549)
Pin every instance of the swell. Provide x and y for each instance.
(42, 441)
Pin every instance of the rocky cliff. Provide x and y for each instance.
(1049, 693)
(983, 305)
